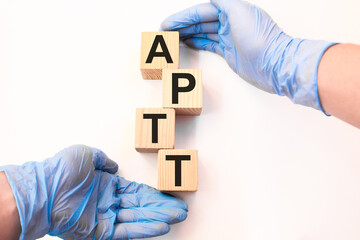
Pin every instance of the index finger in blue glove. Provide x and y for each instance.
(206, 27)
(135, 195)
(134, 187)
(134, 200)
(168, 215)
(204, 44)
(139, 230)
(205, 12)
(210, 36)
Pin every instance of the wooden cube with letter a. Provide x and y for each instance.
(159, 50)
(178, 170)
(154, 129)
(182, 90)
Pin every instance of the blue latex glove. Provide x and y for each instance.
(75, 195)
(254, 47)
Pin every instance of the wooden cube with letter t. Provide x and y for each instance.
(178, 170)
(159, 50)
(182, 90)
(154, 129)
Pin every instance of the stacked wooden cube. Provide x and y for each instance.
(182, 95)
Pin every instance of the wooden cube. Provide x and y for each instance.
(178, 170)
(154, 129)
(159, 50)
(182, 90)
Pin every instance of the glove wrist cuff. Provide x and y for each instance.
(316, 77)
(31, 198)
(298, 67)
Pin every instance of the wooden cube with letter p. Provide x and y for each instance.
(159, 50)
(178, 170)
(154, 129)
(182, 90)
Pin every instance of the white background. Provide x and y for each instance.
(268, 169)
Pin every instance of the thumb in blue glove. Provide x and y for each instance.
(75, 195)
(254, 47)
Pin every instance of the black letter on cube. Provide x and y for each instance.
(159, 39)
(155, 123)
(175, 85)
(178, 159)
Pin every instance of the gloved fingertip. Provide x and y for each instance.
(184, 205)
(177, 216)
(182, 215)
(103, 162)
(112, 167)
(165, 228)
(166, 25)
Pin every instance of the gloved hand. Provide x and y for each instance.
(75, 195)
(254, 47)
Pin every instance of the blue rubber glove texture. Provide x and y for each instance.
(254, 47)
(76, 195)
